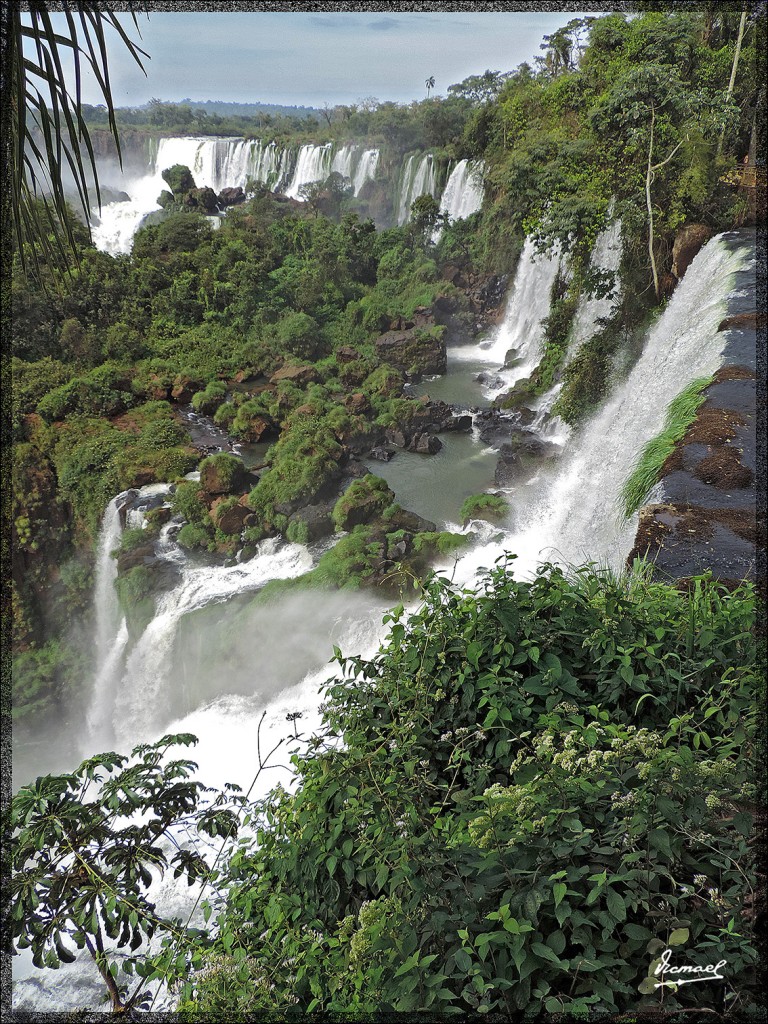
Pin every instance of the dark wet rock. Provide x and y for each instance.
(381, 454)
(532, 446)
(686, 540)
(317, 520)
(425, 444)
(360, 439)
(689, 240)
(231, 196)
(397, 437)
(495, 427)
(410, 522)
(201, 199)
(509, 468)
(490, 380)
(753, 319)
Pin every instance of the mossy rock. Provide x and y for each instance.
(489, 507)
(363, 502)
(222, 474)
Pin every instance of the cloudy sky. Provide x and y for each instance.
(312, 58)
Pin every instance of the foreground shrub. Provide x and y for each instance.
(530, 791)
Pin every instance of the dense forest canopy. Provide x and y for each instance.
(422, 863)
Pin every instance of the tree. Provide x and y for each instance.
(46, 128)
(426, 215)
(85, 845)
(654, 114)
(480, 88)
(430, 84)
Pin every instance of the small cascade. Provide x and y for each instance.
(111, 633)
(365, 169)
(419, 177)
(606, 256)
(463, 193)
(313, 164)
(520, 334)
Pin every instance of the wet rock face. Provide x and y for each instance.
(705, 511)
(231, 196)
(317, 520)
(688, 241)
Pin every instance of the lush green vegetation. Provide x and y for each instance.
(483, 506)
(527, 794)
(680, 415)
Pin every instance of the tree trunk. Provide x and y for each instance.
(103, 969)
(649, 205)
(732, 82)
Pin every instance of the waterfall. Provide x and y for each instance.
(110, 634)
(463, 193)
(418, 178)
(365, 169)
(606, 255)
(520, 334)
(313, 164)
(568, 516)
(572, 515)
(215, 163)
(144, 701)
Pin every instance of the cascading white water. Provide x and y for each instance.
(220, 163)
(572, 515)
(111, 632)
(313, 164)
(463, 193)
(143, 700)
(419, 177)
(606, 256)
(520, 332)
(366, 167)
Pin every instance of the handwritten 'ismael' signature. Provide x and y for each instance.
(678, 975)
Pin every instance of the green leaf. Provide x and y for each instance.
(463, 959)
(743, 822)
(647, 986)
(658, 838)
(544, 952)
(616, 906)
(559, 889)
(679, 936)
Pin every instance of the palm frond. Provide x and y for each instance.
(47, 127)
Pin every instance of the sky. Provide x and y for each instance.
(313, 58)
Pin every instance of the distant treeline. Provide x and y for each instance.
(208, 117)
(249, 109)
